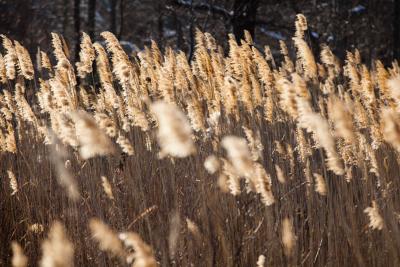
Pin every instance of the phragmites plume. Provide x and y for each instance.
(195, 114)
(254, 142)
(280, 175)
(86, 56)
(45, 61)
(229, 181)
(125, 145)
(103, 66)
(306, 58)
(23, 106)
(238, 154)
(212, 164)
(57, 249)
(92, 140)
(393, 85)
(288, 237)
(193, 228)
(106, 123)
(329, 59)
(10, 57)
(18, 259)
(3, 72)
(36, 228)
(58, 48)
(304, 52)
(64, 177)
(263, 185)
(391, 127)
(375, 219)
(261, 261)
(342, 119)
(120, 61)
(382, 77)
(24, 61)
(108, 240)
(142, 255)
(107, 187)
(320, 184)
(316, 124)
(13, 182)
(174, 131)
(301, 25)
(9, 141)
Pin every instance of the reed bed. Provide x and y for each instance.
(237, 159)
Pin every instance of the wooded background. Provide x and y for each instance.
(372, 26)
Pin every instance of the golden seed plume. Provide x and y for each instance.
(280, 175)
(45, 61)
(238, 154)
(261, 261)
(86, 56)
(212, 164)
(108, 240)
(36, 228)
(301, 25)
(57, 250)
(18, 259)
(263, 185)
(25, 66)
(10, 57)
(174, 131)
(375, 219)
(125, 145)
(316, 124)
(320, 184)
(3, 71)
(107, 187)
(391, 127)
(142, 255)
(342, 118)
(13, 182)
(306, 58)
(92, 140)
(288, 237)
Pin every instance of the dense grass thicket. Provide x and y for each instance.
(238, 159)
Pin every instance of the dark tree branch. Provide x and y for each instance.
(121, 14)
(113, 16)
(92, 18)
(77, 25)
(396, 30)
(205, 7)
(272, 25)
(231, 16)
(244, 17)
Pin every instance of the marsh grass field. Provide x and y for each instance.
(238, 158)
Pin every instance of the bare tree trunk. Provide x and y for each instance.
(396, 30)
(65, 16)
(92, 18)
(160, 25)
(77, 25)
(244, 17)
(178, 28)
(113, 16)
(121, 19)
(191, 32)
